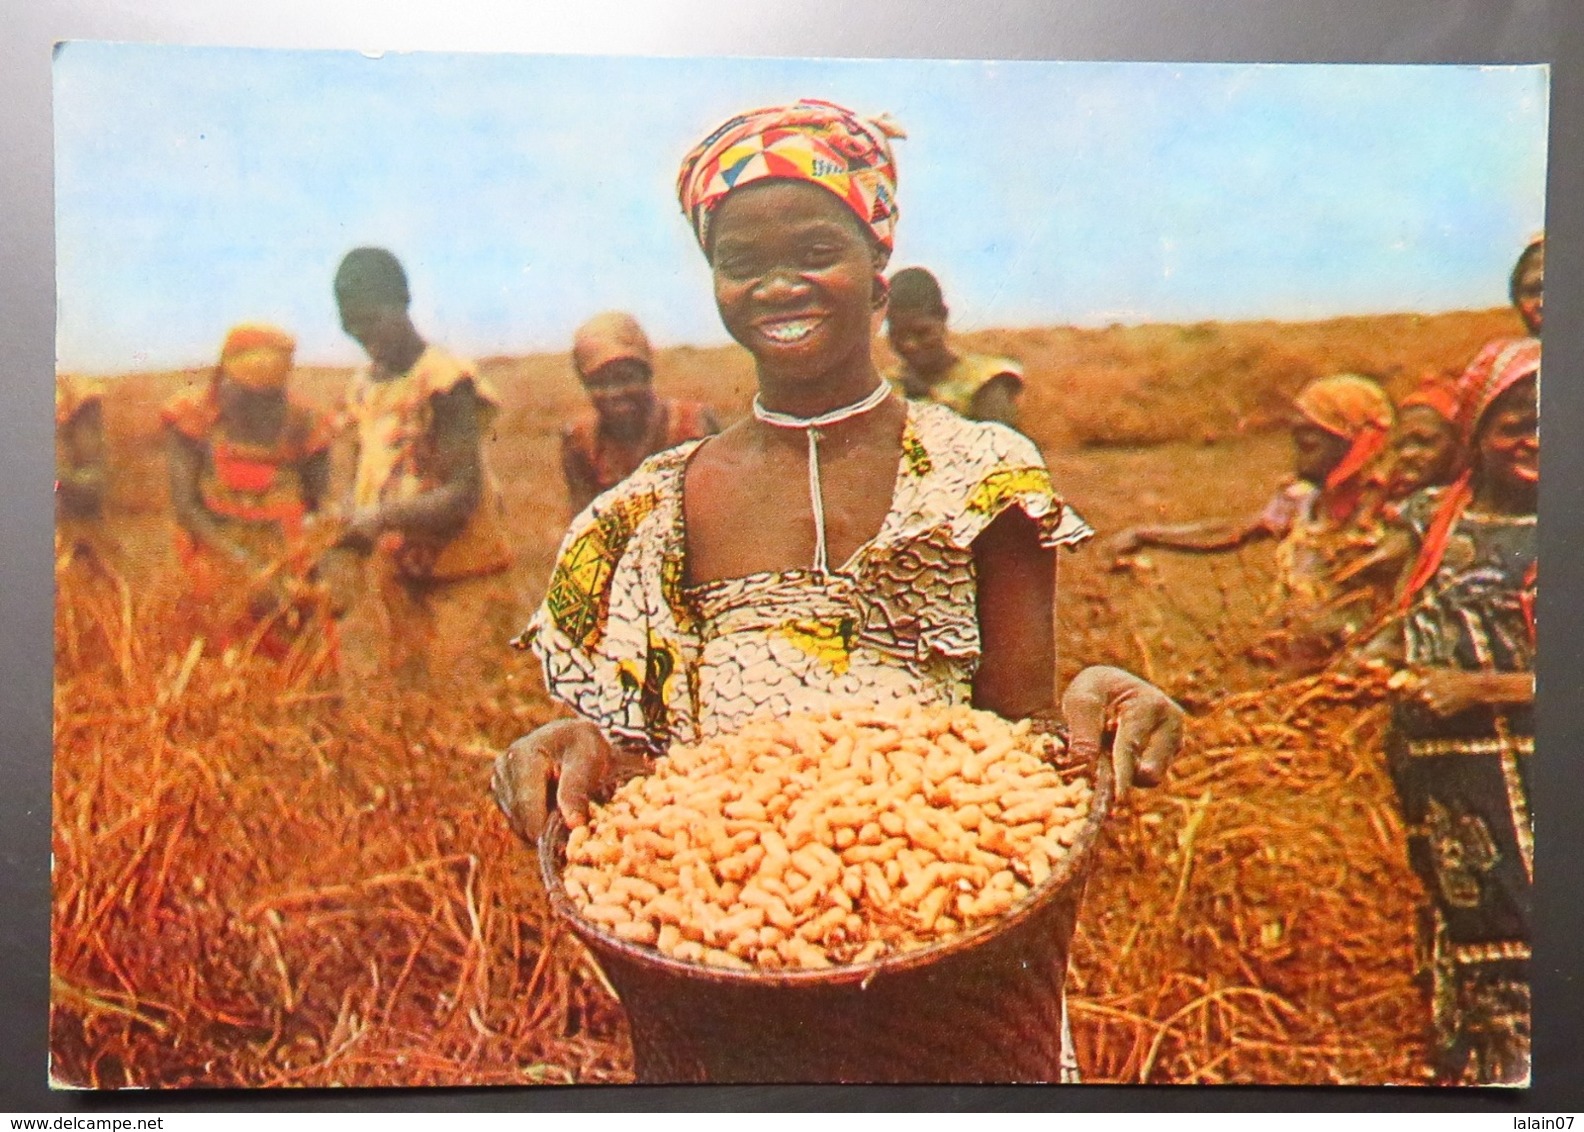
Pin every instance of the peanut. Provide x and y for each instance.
(808, 841)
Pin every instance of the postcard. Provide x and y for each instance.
(584, 570)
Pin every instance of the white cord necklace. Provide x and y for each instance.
(811, 426)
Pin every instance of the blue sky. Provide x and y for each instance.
(200, 187)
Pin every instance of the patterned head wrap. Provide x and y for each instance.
(1358, 410)
(811, 140)
(609, 337)
(257, 356)
(1517, 360)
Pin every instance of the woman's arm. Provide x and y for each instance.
(443, 510)
(1017, 633)
(1017, 667)
(1206, 537)
(582, 487)
(997, 400)
(185, 461)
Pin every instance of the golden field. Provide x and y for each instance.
(260, 882)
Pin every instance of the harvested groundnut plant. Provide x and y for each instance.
(841, 837)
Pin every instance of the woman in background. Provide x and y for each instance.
(249, 464)
(1463, 728)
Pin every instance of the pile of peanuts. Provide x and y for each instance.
(810, 841)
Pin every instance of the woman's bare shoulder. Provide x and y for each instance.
(724, 453)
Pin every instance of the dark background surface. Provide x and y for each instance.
(1370, 31)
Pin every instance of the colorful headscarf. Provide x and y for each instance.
(1358, 410)
(609, 337)
(1436, 393)
(1515, 362)
(257, 356)
(811, 140)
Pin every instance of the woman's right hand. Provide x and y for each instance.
(1124, 545)
(570, 754)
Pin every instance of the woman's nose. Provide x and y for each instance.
(780, 283)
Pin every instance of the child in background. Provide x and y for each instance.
(977, 386)
(1424, 447)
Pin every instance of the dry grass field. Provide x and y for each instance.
(259, 882)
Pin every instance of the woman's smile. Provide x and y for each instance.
(789, 330)
(795, 283)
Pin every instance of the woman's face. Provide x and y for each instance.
(1529, 292)
(1508, 440)
(1422, 450)
(1316, 451)
(794, 276)
(252, 412)
(622, 393)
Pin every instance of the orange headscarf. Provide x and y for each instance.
(1436, 393)
(609, 337)
(1358, 410)
(258, 356)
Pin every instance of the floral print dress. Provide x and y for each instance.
(627, 645)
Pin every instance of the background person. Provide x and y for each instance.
(424, 506)
(978, 386)
(1463, 729)
(630, 421)
(1425, 449)
(248, 465)
(1526, 290)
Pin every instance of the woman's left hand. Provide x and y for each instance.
(1446, 692)
(362, 529)
(1147, 723)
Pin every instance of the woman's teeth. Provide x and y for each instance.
(789, 330)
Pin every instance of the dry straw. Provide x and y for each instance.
(259, 882)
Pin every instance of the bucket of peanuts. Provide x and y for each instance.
(865, 894)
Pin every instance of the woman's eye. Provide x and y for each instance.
(821, 255)
(734, 263)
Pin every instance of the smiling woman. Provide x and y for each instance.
(1463, 729)
(700, 594)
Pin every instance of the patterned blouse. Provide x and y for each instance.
(1475, 613)
(398, 459)
(1463, 783)
(627, 645)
